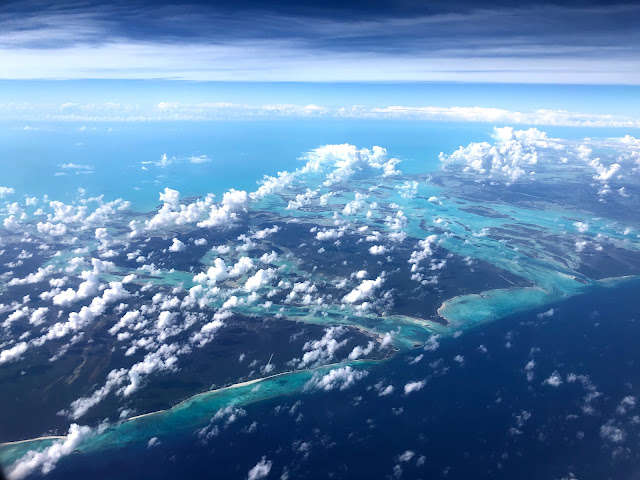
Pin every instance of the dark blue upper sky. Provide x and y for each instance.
(319, 41)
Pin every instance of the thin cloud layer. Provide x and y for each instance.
(492, 44)
(211, 111)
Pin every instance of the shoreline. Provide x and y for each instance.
(423, 322)
(207, 392)
(47, 437)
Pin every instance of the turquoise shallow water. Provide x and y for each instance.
(187, 416)
(236, 163)
(522, 253)
(466, 414)
(122, 156)
(466, 236)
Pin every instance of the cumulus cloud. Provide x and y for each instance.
(259, 280)
(209, 329)
(173, 213)
(322, 351)
(359, 351)
(378, 250)
(341, 378)
(233, 202)
(269, 257)
(347, 161)
(6, 191)
(414, 386)
(11, 223)
(264, 233)
(87, 288)
(82, 405)
(46, 460)
(356, 205)
(52, 229)
(582, 227)
(78, 320)
(171, 197)
(38, 276)
(153, 442)
(384, 391)
(177, 246)
(406, 456)
(329, 234)
(432, 343)
(129, 318)
(13, 353)
(77, 167)
(426, 250)
(627, 403)
(555, 380)
(512, 157)
(260, 470)
(220, 272)
(612, 433)
(363, 291)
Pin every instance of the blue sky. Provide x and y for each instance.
(219, 60)
(536, 42)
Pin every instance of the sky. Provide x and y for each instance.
(88, 60)
(541, 42)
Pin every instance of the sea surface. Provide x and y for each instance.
(239, 153)
(512, 353)
(478, 419)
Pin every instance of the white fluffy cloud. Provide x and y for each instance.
(378, 250)
(6, 191)
(260, 279)
(414, 386)
(612, 433)
(177, 246)
(554, 380)
(220, 272)
(52, 229)
(173, 214)
(13, 353)
(342, 378)
(347, 161)
(170, 196)
(87, 288)
(260, 470)
(322, 351)
(82, 405)
(514, 155)
(363, 291)
(38, 276)
(233, 201)
(359, 351)
(46, 460)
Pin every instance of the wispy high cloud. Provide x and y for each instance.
(545, 44)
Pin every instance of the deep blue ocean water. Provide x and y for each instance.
(462, 421)
(478, 416)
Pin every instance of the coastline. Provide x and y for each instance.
(18, 442)
(207, 392)
(608, 282)
(194, 397)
